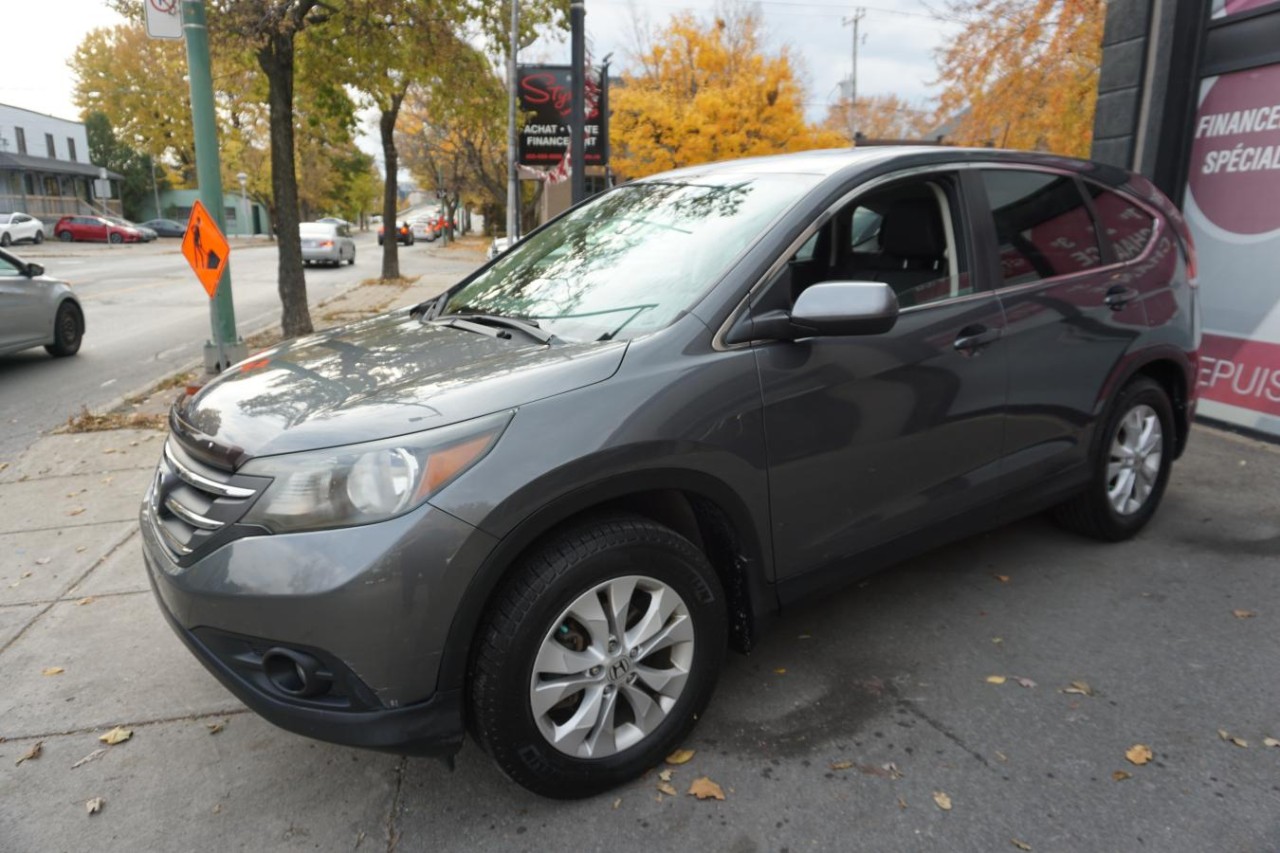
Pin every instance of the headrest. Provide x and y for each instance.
(912, 229)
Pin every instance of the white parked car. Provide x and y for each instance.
(16, 227)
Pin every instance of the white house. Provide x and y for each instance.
(45, 169)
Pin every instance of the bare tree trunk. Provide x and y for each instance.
(390, 243)
(276, 59)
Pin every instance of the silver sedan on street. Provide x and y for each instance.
(36, 310)
(326, 243)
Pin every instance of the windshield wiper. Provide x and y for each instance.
(431, 308)
(528, 327)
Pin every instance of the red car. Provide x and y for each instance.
(98, 228)
(404, 234)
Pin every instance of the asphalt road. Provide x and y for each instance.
(146, 315)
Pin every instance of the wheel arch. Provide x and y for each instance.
(1172, 370)
(699, 507)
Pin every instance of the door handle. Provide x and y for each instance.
(972, 338)
(1119, 296)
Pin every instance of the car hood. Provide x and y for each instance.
(388, 376)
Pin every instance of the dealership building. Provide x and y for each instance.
(1189, 95)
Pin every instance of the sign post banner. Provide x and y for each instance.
(164, 18)
(545, 93)
(1233, 208)
(205, 248)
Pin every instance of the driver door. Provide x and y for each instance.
(872, 437)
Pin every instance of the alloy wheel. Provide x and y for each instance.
(1133, 467)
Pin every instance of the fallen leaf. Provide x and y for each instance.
(82, 602)
(97, 753)
(617, 803)
(892, 770)
(943, 801)
(43, 561)
(1243, 614)
(116, 735)
(52, 670)
(1121, 775)
(1021, 845)
(95, 805)
(997, 640)
(1080, 688)
(841, 765)
(110, 450)
(1025, 682)
(31, 754)
(1138, 754)
(1001, 757)
(80, 549)
(996, 679)
(665, 775)
(902, 804)
(1001, 578)
(214, 728)
(1270, 741)
(3, 465)
(780, 671)
(217, 809)
(668, 789)
(704, 789)
(680, 756)
(77, 511)
(1240, 742)
(26, 575)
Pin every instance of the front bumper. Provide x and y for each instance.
(374, 603)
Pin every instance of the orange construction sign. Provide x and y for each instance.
(205, 248)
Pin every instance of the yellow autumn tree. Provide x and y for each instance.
(708, 92)
(1022, 73)
(879, 117)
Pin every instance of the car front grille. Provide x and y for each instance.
(193, 506)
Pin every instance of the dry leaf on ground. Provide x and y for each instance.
(1021, 845)
(95, 805)
(1270, 741)
(996, 679)
(704, 789)
(52, 670)
(76, 511)
(665, 775)
(668, 789)
(1121, 775)
(86, 600)
(117, 735)
(617, 803)
(32, 753)
(1025, 682)
(214, 728)
(902, 804)
(841, 765)
(1001, 578)
(680, 756)
(1138, 754)
(1080, 688)
(943, 801)
(43, 561)
(97, 753)
(1243, 614)
(780, 671)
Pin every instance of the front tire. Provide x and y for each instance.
(597, 655)
(1131, 466)
(68, 331)
(116, 238)
(65, 236)
(39, 237)
(5, 240)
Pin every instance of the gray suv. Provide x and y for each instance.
(541, 506)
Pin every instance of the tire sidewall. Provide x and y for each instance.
(523, 750)
(1138, 393)
(63, 346)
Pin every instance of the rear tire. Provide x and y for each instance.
(115, 237)
(1131, 464)
(39, 237)
(597, 655)
(68, 331)
(65, 236)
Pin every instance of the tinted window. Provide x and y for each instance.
(1128, 228)
(8, 269)
(1042, 225)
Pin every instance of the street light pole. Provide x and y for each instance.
(577, 101)
(244, 202)
(513, 177)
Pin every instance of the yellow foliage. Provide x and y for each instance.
(879, 117)
(1026, 71)
(708, 93)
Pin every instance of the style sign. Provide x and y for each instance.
(545, 93)
(205, 248)
(164, 18)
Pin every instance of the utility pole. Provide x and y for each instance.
(226, 346)
(578, 102)
(513, 177)
(858, 14)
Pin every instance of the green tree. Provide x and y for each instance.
(107, 149)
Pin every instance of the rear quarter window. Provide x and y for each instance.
(1125, 225)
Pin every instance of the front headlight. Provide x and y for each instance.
(364, 483)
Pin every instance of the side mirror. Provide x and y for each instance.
(845, 308)
(33, 271)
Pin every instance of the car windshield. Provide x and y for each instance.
(6, 218)
(632, 260)
(316, 229)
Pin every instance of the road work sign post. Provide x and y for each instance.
(225, 348)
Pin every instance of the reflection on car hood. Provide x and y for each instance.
(388, 376)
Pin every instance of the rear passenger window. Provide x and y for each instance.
(1128, 228)
(1042, 225)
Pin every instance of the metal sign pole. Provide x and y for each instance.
(222, 319)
